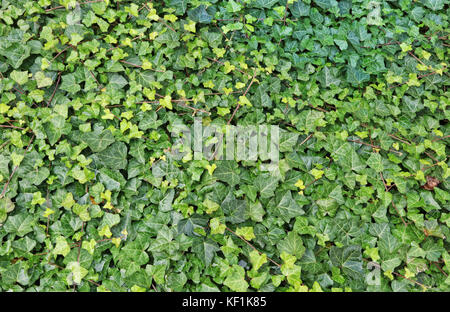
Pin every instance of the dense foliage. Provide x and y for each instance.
(92, 198)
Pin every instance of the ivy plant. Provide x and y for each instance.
(93, 199)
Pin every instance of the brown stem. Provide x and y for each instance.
(11, 126)
(398, 212)
(59, 53)
(318, 108)
(307, 138)
(399, 139)
(54, 91)
(439, 268)
(237, 107)
(4, 144)
(384, 182)
(373, 146)
(442, 138)
(248, 243)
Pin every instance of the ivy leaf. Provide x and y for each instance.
(77, 272)
(206, 250)
(42, 80)
(21, 77)
(166, 203)
(348, 158)
(435, 5)
(15, 54)
(115, 156)
(20, 224)
(236, 279)
(267, 4)
(113, 180)
(299, 9)
(348, 258)
(98, 140)
(261, 98)
(375, 162)
(411, 105)
(257, 259)
(327, 206)
(356, 76)
(256, 211)
(135, 250)
(287, 141)
(56, 128)
(266, 185)
(288, 207)
(180, 6)
(328, 77)
(69, 84)
(326, 4)
(432, 250)
(246, 232)
(417, 13)
(292, 245)
(6, 206)
(16, 273)
(234, 209)
(200, 15)
(62, 247)
(228, 172)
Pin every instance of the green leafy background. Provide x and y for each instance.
(92, 198)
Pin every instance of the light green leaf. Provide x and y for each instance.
(42, 80)
(77, 272)
(236, 279)
(21, 77)
(62, 247)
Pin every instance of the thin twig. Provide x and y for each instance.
(318, 108)
(12, 127)
(248, 243)
(439, 268)
(4, 144)
(373, 146)
(398, 212)
(431, 166)
(161, 20)
(384, 182)
(442, 138)
(399, 139)
(54, 91)
(245, 93)
(431, 156)
(307, 138)
(59, 53)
